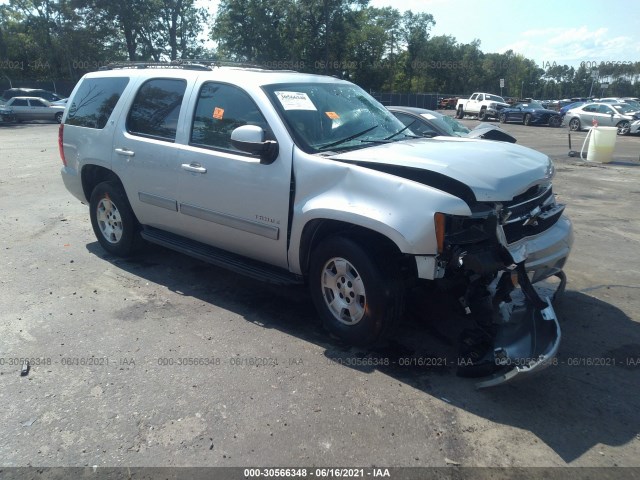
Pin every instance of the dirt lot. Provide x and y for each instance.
(269, 388)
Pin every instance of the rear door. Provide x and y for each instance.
(145, 155)
(21, 109)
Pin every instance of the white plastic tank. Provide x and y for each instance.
(601, 144)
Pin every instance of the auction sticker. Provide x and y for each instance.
(295, 101)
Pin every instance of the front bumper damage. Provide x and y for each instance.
(527, 340)
(515, 331)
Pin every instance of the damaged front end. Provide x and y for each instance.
(487, 257)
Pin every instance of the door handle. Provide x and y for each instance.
(194, 167)
(125, 151)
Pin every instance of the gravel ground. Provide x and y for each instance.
(266, 386)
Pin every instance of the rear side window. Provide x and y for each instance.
(19, 102)
(94, 101)
(156, 108)
(222, 108)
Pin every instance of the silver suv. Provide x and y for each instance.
(296, 178)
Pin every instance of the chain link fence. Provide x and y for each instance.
(430, 101)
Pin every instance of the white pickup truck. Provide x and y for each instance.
(484, 105)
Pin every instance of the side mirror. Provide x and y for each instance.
(250, 139)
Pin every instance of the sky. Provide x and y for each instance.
(562, 31)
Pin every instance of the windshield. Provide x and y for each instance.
(334, 116)
(450, 125)
(494, 98)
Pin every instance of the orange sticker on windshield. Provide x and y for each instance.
(332, 115)
(218, 113)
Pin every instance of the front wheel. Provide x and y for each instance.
(356, 293)
(527, 120)
(624, 127)
(58, 117)
(112, 219)
(503, 118)
(482, 116)
(555, 121)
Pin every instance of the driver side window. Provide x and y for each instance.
(222, 108)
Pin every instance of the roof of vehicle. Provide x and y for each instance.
(416, 110)
(232, 74)
(30, 98)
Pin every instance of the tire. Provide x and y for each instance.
(624, 127)
(503, 118)
(460, 113)
(482, 116)
(555, 121)
(58, 117)
(527, 120)
(357, 296)
(574, 124)
(112, 219)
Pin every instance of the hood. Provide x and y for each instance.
(492, 171)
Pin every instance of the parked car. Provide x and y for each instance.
(26, 109)
(566, 108)
(448, 103)
(428, 123)
(484, 105)
(31, 92)
(530, 114)
(620, 115)
(304, 179)
(628, 101)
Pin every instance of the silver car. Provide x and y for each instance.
(305, 179)
(26, 109)
(621, 115)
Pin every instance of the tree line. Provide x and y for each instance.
(380, 49)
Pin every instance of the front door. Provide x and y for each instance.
(227, 198)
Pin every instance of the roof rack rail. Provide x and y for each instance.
(142, 64)
(187, 64)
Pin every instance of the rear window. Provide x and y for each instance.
(156, 108)
(94, 101)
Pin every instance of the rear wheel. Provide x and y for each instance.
(356, 291)
(460, 113)
(527, 119)
(574, 125)
(58, 117)
(112, 219)
(624, 127)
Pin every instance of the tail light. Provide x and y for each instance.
(61, 143)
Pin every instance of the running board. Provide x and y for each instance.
(230, 261)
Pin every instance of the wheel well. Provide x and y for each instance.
(92, 175)
(317, 230)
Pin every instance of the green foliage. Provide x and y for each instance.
(378, 48)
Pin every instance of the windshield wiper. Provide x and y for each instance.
(344, 140)
(402, 130)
